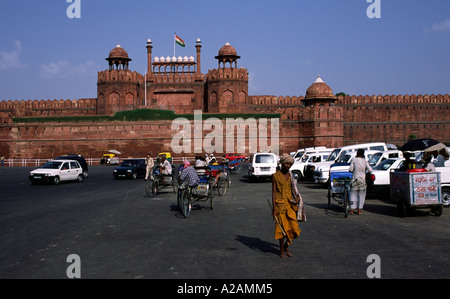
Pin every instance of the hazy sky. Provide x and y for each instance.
(284, 44)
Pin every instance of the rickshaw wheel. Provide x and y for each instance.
(222, 187)
(150, 188)
(329, 196)
(211, 197)
(346, 202)
(186, 204)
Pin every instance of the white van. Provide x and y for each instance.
(298, 155)
(378, 157)
(309, 157)
(322, 170)
(262, 165)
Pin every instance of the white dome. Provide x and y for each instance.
(156, 59)
(167, 59)
(162, 59)
(180, 59)
(185, 59)
(191, 59)
(174, 59)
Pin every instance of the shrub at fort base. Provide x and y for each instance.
(138, 115)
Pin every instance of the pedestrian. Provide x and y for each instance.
(149, 166)
(358, 187)
(285, 206)
(2, 159)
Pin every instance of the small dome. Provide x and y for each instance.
(167, 59)
(180, 59)
(191, 59)
(185, 59)
(118, 52)
(162, 59)
(319, 90)
(156, 59)
(227, 50)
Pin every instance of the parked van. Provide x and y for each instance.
(309, 157)
(378, 157)
(298, 155)
(322, 171)
(262, 165)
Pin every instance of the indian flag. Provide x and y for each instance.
(179, 41)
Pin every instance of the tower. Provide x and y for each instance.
(322, 121)
(227, 86)
(174, 83)
(118, 88)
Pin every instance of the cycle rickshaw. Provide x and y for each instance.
(221, 174)
(339, 189)
(203, 192)
(158, 181)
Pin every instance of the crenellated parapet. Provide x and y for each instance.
(393, 99)
(119, 76)
(24, 108)
(227, 73)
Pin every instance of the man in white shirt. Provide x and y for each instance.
(166, 168)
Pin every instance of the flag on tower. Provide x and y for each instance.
(179, 41)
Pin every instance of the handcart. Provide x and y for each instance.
(203, 192)
(416, 190)
(339, 189)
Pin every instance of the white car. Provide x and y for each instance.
(379, 181)
(262, 165)
(56, 171)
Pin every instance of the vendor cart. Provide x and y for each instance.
(416, 190)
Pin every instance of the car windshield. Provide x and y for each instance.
(375, 158)
(344, 158)
(334, 154)
(52, 165)
(264, 159)
(385, 165)
(128, 163)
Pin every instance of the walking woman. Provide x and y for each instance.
(285, 206)
(359, 167)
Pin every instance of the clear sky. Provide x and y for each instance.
(284, 44)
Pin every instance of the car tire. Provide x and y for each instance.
(297, 175)
(56, 180)
(134, 175)
(85, 174)
(446, 197)
(80, 178)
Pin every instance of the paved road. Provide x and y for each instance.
(118, 232)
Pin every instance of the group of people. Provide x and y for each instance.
(287, 202)
(166, 167)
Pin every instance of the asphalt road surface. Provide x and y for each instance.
(116, 231)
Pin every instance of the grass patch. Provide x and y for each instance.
(140, 115)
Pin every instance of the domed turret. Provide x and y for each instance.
(117, 58)
(319, 90)
(319, 93)
(227, 54)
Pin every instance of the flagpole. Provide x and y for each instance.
(174, 37)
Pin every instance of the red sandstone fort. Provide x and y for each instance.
(319, 118)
